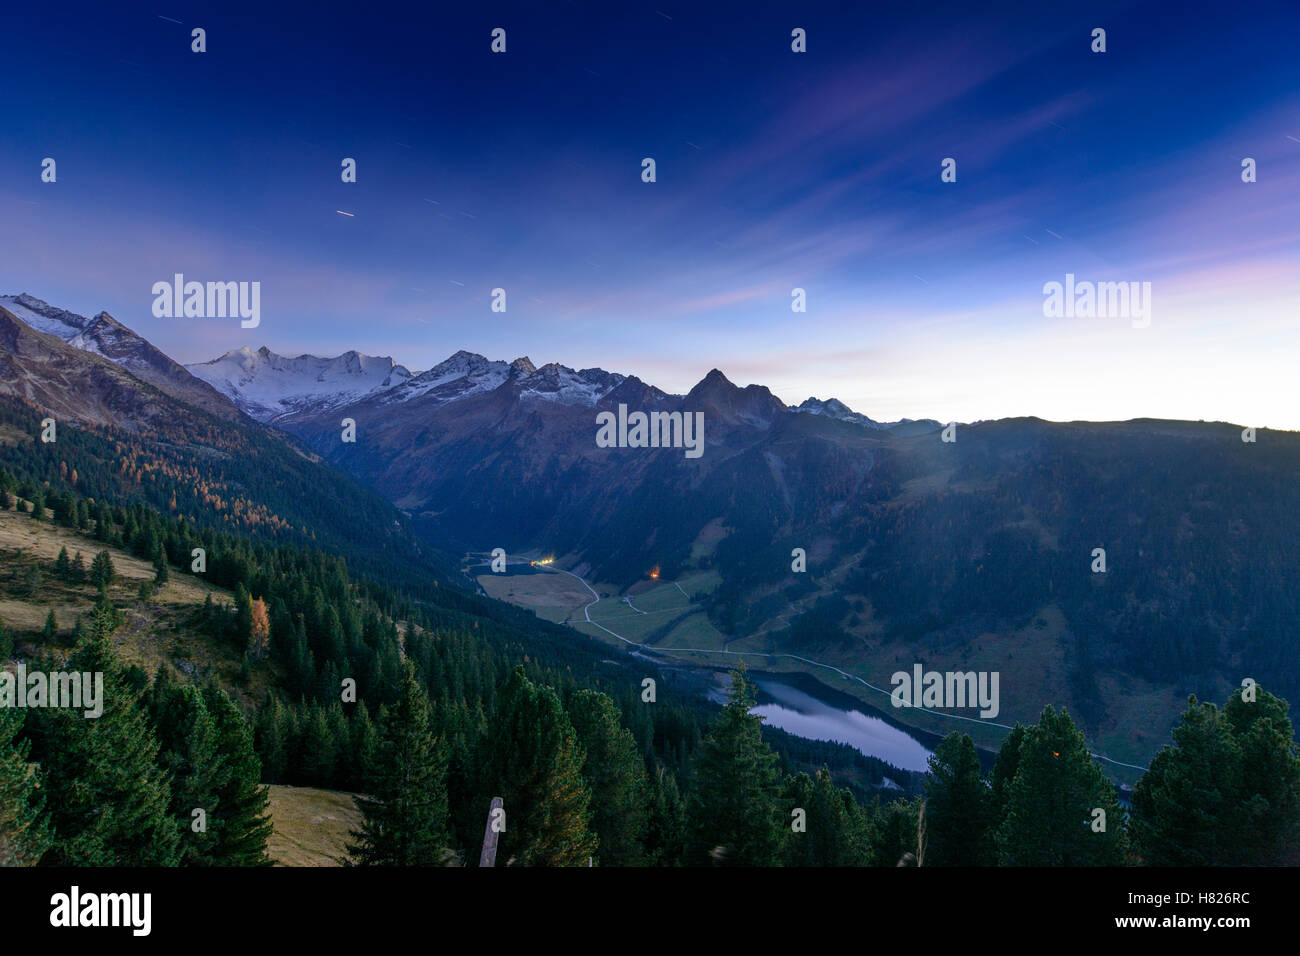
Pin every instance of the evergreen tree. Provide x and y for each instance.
(160, 572)
(272, 741)
(833, 827)
(62, 564)
(404, 813)
(1051, 802)
(666, 821)
(51, 628)
(1185, 811)
(959, 807)
(1268, 780)
(316, 748)
(243, 825)
(108, 799)
(78, 572)
(733, 813)
(615, 773)
(534, 761)
(24, 832)
(893, 833)
(102, 571)
(188, 752)
(364, 740)
(1004, 770)
(243, 618)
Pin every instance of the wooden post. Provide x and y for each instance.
(489, 855)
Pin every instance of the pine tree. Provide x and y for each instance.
(1051, 802)
(833, 829)
(733, 812)
(243, 618)
(1185, 811)
(666, 821)
(62, 564)
(108, 799)
(534, 763)
(615, 773)
(316, 748)
(24, 831)
(272, 745)
(1268, 782)
(892, 833)
(188, 752)
(363, 741)
(243, 824)
(1004, 770)
(51, 628)
(102, 571)
(160, 572)
(78, 575)
(958, 807)
(404, 812)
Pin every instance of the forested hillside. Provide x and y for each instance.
(460, 700)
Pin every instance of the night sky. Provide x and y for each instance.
(774, 170)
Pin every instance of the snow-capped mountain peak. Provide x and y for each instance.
(269, 386)
(834, 408)
(272, 387)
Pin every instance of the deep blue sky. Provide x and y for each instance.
(775, 170)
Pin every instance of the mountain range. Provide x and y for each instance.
(976, 553)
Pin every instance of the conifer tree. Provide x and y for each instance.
(243, 825)
(243, 618)
(107, 797)
(833, 829)
(188, 752)
(615, 773)
(1226, 793)
(364, 739)
(24, 832)
(78, 574)
(1050, 818)
(102, 570)
(665, 840)
(892, 833)
(404, 811)
(62, 564)
(1184, 808)
(959, 807)
(1004, 770)
(273, 741)
(534, 763)
(316, 748)
(733, 813)
(51, 628)
(1268, 781)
